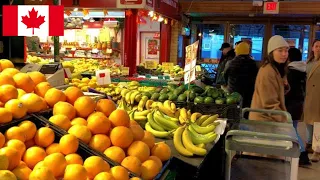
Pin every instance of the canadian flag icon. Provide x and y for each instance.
(33, 20)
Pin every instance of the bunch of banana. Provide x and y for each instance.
(142, 103)
(139, 116)
(122, 105)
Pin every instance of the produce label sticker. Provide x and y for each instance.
(125, 71)
(151, 64)
(167, 66)
(103, 77)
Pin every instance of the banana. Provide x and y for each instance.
(200, 138)
(127, 98)
(177, 142)
(142, 103)
(139, 118)
(183, 113)
(189, 114)
(135, 107)
(167, 104)
(149, 104)
(167, 117)
(165, 110)
(133, 96)
(159, 134)
(142, 113)
(202, 145)
(173, 107)
(165, 122)
(182, 120)
(124, 92)
(210, 120)
(195, 116)
(177, 114)
(156, 104)
(203, 130)
(138, 97)
(153, 123)
(202, 119)
(131, 114)
(187, 142)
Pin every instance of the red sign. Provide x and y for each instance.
(87, 4)
(156, 35)
(130, 2)
(271, 8)
(167, 8)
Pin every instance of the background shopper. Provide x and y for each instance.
(227, 55)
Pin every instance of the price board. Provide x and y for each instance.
(151, 65)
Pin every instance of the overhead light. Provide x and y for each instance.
(151, 13)
(160, 19)
(75, 9)
(199, 34)
(65, 16)
(86, 17)
(91, 20)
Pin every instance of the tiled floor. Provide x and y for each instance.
(265, 169)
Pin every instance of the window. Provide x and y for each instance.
(296, 36)
(251, 33)
(212, 38)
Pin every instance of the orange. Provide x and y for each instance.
(56, 163)
(22, 172)
(133, 164)
(2, 140)
(73, 93)
(5, 63)
(5, 115)
(44, 137)
(42, 88)
(29, 143)
(79, 121)
(100, 142)
(149, 169)
(65, 109)
(106, 106)
(7, 175)
(133, 122)
(10, 71)
(119, 117)
(98, 123)
(95, 165)
(42, 173)
(44, 104)
(4, 162)
(17, 145)
(61, 121)
(53, 96)
(23, 81)
(81, 132)
(119, 173)
(39, 165)
(104, 176)
(6, 79)
(157, 160)
(13, 156)
(137, 131)
(8, 92)
(121, 136)
(74, 159)
(17, 109)
(15, 132)
(140, 150)
(32, 101)
(21, 92)
(75, 172)
(33, 155)
(149, 139)
(37, 77)
(1, 104)
(115, 153)
(134, 178)
(162, 151)
(29, 129)
(53, 148)
(84, 106)
(69, 144)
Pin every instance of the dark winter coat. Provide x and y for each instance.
(221, 67)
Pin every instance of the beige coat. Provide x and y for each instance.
(268, 94)
(311, 112)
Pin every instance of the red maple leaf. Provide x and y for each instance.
(33, 21)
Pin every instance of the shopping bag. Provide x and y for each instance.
(316, 137)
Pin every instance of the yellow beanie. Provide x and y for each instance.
(242, 49)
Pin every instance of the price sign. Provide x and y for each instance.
(103, 77)
(125, 71)
(167, 66)
(151, 65)
(271, 8)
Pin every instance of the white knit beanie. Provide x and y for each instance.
(276, 42)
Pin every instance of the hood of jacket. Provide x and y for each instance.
(298, 65)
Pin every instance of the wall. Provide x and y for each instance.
(151, 26)
(175, 32)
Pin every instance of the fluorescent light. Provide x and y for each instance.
(75, 9)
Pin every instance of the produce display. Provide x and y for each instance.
(176, 71)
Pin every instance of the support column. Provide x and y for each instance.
(130, 40)
(165, 41)
(56, 44)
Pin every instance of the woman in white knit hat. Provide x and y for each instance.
(269, 92)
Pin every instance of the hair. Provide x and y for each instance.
(270, 60)
(312, 53)
(295, 54)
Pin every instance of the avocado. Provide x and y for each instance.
(231, 100)
(208, 100)
(215, 94)
(187, 92)
(147, 94)
(237, 96)
(207, 87)
(197, 89)
(192, 96)
(158, 89)
(172, 87)
(199, 99)
(173, 97)
(155, 96)
(182, 97)
(220, 100)
(163, 97)
(169, 93)
(164, 90)
(177, 92)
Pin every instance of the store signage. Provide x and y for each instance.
(271, 8)
(191, 61)
(132, 4)
(103, 77)
(172, 3)
(86, 3)
(156, 35)
(168, 8)
(125, 71)
(151, 65)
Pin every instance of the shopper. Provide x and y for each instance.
(269, 87)
(296, 77)
(241, 72)
(312, 101)
(227, 55)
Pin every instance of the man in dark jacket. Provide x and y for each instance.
(241, 72)
(295, 97)
(227, 55)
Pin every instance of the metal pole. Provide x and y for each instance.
(56, 39)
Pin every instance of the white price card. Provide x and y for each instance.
(103, 77)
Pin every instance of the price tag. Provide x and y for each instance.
(125, 71)
(68, 73)
(151, 65)
(103, 77)
(167, 66)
